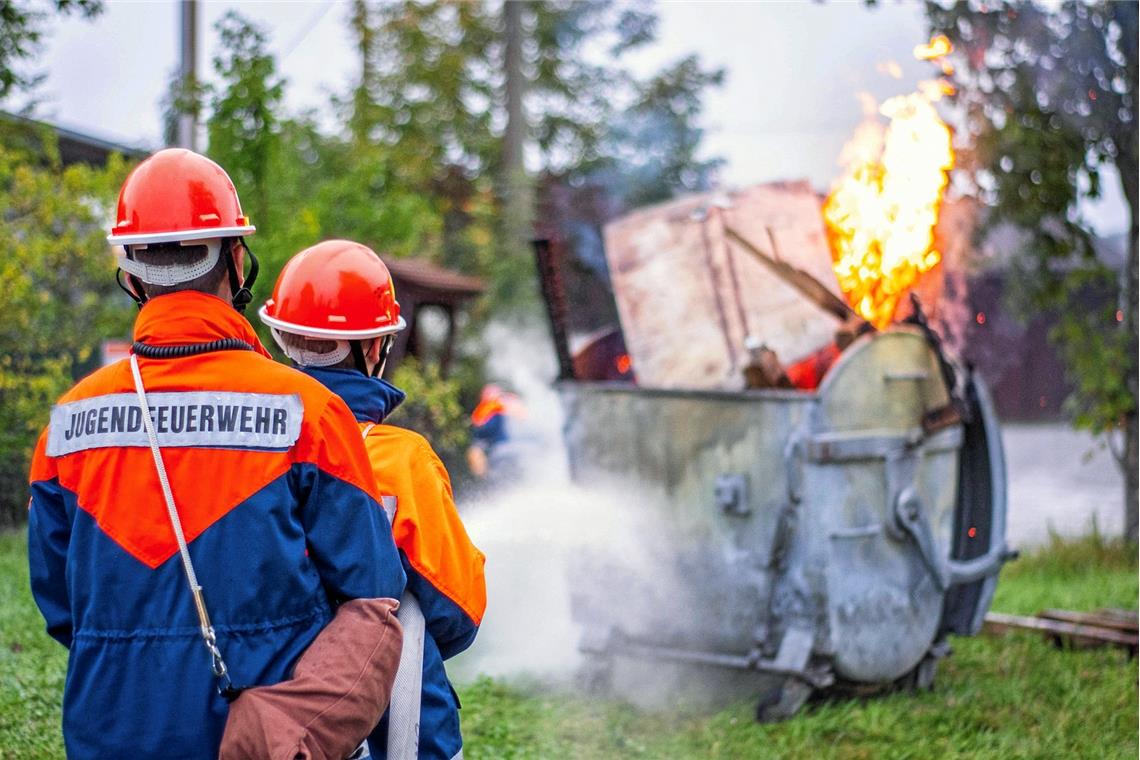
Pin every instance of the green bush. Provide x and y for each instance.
(433, 410)
(59, 298)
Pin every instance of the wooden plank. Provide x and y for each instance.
(1100, 618)
(809, 287)
(1117, 613)
(1000, 623)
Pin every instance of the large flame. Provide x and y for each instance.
(880, 215)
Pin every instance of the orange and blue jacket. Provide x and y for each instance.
(489, 423)
(444, 569)
(278, 503)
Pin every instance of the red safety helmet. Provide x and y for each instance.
(177, 195)
(336, 289)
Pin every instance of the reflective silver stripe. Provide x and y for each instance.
(389, 504)
(207, 419)
(404, 711)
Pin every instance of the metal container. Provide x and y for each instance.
(820, 539)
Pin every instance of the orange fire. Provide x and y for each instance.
(880, 215)
(938, 47)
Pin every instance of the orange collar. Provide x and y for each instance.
(192, 317)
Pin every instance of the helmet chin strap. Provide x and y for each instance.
(242, 293)
(385, 348)
(134, 289)
(358, 356)
(361, 363)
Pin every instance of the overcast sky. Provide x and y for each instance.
(788, 105)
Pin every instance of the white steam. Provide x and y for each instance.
(536, 531)
(569, 560)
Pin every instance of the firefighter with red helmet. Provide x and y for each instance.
(334, 313)
(267, 477)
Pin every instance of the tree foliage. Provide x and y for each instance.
(434, 89)
(22, 24)
(299, 184)
(243, 128)
(59, 296)
(432, 409)
(424, 107)
(575, 94)
(427, 90)
(653, 149)
(1048, 93)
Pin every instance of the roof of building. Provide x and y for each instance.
(80, 147)
(427, 276)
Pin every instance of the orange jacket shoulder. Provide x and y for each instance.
(427, 526)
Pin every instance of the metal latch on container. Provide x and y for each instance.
(731, 493)
(910, 519)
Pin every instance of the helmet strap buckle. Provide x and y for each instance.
(357, 348)
(242, 293)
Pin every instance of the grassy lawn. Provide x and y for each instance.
(1012, 697)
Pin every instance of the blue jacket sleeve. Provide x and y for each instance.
(348, 535)
(49, 533)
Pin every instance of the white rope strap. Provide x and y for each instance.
(407, 689)
(208, 635)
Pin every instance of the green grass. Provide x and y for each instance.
(32, 664)
(1010, 697)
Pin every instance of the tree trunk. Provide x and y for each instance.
(1131, 482)
(1128, 146)
(514, 184)
(1130, 283)
(514, 136)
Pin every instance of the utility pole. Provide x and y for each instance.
(188, 36)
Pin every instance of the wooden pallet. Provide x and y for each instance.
(1073, 630)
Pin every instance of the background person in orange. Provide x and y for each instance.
(334, 313)
(489, 429)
